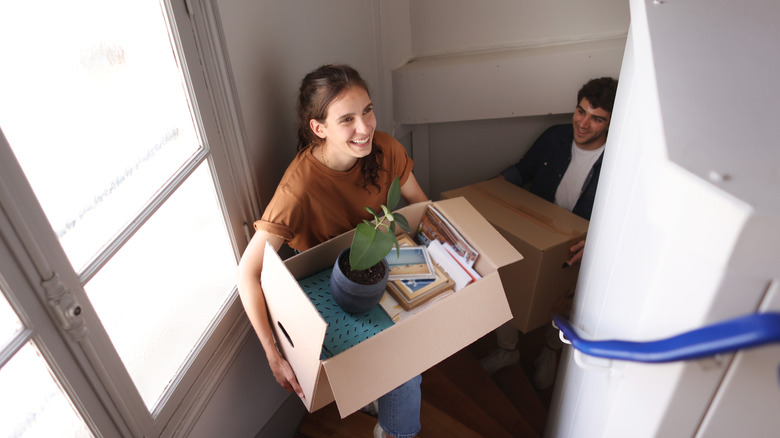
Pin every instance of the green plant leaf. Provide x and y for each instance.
(391, 230)
(371, 243)
(369, 247)
(394, 194)
(402, 222)
(370, 210)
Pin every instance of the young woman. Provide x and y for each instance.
(343, 164)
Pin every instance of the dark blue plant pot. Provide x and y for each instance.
(355, 297)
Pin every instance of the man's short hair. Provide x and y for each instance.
(600, 93)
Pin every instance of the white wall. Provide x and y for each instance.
(247, 399)
(456, 26)
(467, 152)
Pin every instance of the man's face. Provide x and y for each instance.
(590, 125)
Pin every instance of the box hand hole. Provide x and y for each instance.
(285, 333)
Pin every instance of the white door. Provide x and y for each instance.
(685, 228)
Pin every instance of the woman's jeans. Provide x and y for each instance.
(399, 410)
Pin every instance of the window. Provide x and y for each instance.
(115, 138)
(38, 406)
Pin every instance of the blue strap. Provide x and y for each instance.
(724, 337)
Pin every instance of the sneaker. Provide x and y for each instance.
(379, 432)
(544, 373)
(498, 359)
(371, 408)
(553, 339)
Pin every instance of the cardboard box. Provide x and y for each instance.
(381, 363)
(543, 233)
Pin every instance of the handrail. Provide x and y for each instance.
(723, 337)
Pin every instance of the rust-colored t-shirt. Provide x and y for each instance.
(314, 203)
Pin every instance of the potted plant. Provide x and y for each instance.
(360, 273)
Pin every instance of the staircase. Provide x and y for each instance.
(460, 400)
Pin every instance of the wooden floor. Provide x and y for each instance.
(460, 400)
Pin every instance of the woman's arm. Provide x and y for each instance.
(252, 298)
(411, 191)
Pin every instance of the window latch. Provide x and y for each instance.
(64, 307)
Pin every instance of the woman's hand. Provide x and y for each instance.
(284, 375)
(251, 293)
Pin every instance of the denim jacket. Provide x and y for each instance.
(541, 169)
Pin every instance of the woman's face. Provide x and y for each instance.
(349, 127)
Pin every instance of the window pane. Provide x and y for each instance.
(9, 322)
(93, 105)
(32, 404)
(158, 294)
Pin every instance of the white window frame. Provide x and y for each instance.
(46, 291)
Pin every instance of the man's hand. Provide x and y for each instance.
(576, 250)
(285, 376)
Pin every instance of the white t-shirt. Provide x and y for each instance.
(571, 185)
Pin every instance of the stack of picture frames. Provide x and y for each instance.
(414, 279)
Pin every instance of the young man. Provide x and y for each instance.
(563, 167)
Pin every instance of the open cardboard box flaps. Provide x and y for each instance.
(381, 363)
